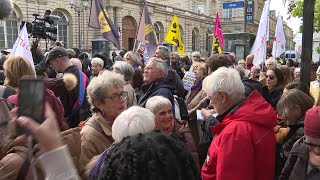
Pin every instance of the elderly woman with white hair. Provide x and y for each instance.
(244, 138)
(97, 66)
(107, 98)
(133, 121)
(165, 122)
(128, 72)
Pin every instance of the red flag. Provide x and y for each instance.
(218, 43)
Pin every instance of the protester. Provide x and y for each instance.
(176, 64)
(289, 62)
(303, 161)
(217, 60)
(128, 72)
(195, 57)
(133, 59)
(297, 85)
(55, 159)
(255, 73)
(165, 122)
(14, 68)
(296, 72)
(242, 140)
(162, 52)
(270, 63)
(76, 62)
(249, 62)
(196, 99)
(242, 63)
(152, 155)
(156, 83)
(272, 83)
(292, 107)
(133, 121)
(287, 74)
(107, 98)
(97, 66)
(74, 101)
(106, 61)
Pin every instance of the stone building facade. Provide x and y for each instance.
(196, 18)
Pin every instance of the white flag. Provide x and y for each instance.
(279, 42)
(22, 46)
(259, 48)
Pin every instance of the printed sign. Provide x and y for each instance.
(229, 5)
(249, 11)
(188, 80)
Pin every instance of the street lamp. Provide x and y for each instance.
(79, 9)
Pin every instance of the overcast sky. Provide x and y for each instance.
(294, 23)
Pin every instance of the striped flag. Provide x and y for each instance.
(146, 33)
(100, 19)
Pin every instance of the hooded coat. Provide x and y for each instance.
(160, 88)
(244, 144)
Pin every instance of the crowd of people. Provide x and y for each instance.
(124, 118)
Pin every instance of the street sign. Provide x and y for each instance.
(229, 5)
(249, 11)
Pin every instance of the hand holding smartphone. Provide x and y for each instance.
(31, 99)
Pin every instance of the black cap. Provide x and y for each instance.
(56, 52)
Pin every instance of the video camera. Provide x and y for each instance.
(41, 27)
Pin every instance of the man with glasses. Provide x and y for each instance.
(155, 82)
(304, 157)
(162, 52)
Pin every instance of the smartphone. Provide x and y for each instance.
(31, 99)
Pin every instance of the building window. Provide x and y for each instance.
(227, 14)
(9, 30)
(194, 40)
(62, 29)
(200, 9)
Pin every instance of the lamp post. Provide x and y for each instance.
(79, 8)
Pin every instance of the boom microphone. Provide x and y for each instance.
(5, 8)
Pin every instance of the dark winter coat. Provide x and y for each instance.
(160, 88)
(296, 167)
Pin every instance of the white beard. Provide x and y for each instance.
(5, 8)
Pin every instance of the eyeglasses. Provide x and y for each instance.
(270, 77)
(310, 145)
(116, 97)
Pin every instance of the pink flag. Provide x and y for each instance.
(218, 31)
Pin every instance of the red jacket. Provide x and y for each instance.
(244, 144)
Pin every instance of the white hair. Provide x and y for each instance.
(6, 7)
(160, 65)
(125, 69)
(99, 85)
(133, 121)
(76, 62)
(97, 61)
(227, 80)
(164, 51)
(156, 103)
(196, 53)
(273, 60)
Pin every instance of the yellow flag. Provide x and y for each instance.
(174, 35)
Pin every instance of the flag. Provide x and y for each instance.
(259, 48)
(22, 46)
(100, 19)
(279, 41)
(146, 33)
(218, 41)
(174, 35)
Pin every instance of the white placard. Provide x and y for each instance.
(188, 80)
